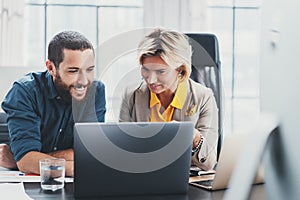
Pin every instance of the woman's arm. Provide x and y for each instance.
(207, 127)
(126, 107)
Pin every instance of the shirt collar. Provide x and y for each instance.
(153, 99)
(179, 97)
(51, 88)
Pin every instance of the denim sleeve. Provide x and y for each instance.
(23, 122)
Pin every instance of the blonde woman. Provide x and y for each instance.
(168, 94)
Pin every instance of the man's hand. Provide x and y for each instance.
(67, 154)
(29, 163)
(6, 157)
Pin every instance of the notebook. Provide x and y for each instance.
(140, 158)
(231, 149)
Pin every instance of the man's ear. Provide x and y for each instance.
(51, 68)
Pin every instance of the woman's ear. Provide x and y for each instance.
(181, 73)
(51, 68)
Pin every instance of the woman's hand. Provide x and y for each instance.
(197, 137)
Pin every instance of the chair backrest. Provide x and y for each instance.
(4, 137)
(206, 69)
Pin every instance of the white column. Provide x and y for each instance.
(12, 33)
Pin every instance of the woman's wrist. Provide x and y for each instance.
(198, 147)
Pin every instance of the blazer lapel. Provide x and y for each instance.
(187, 113)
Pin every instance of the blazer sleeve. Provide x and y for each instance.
(207, 125)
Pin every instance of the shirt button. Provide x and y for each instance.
(55, 148)
(60, 130)
(58, 98)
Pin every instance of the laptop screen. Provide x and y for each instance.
(113, 159)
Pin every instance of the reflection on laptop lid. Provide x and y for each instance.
(131, 158)
(231, 149)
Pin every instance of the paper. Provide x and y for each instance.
(7, 175)
(13, 191)
(201, 178)
(17, 176)
(209, 172)
(195, 171)
(69, 179)
(13, 176)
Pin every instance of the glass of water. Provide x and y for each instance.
(52, 172)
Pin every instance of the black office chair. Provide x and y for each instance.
(4, 137)
(206, 69)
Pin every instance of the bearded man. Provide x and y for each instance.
(42, 107)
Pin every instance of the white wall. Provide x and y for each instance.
(280, 81)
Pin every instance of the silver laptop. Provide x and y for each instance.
(119, 159)
(231, 149)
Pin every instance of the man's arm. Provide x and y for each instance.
(6, 157)
(67, 154)
(29, 163)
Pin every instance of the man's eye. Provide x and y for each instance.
(72, 70)
(90, 69)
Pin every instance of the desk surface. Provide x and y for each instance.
(34, 191)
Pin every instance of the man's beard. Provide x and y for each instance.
(62, 89)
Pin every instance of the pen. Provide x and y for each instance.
(31, 174)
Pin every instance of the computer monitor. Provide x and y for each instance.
(279, 94)
(279, 91)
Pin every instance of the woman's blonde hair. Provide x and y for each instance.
(173, 47)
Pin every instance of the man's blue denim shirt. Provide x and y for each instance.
(40, 120)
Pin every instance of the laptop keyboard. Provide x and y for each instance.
(205, 183)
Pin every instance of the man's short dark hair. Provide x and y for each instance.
(66, 40)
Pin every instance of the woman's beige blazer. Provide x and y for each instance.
(200, 107)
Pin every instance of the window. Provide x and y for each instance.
(237, 26)
(236, 23)
(97, 20)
